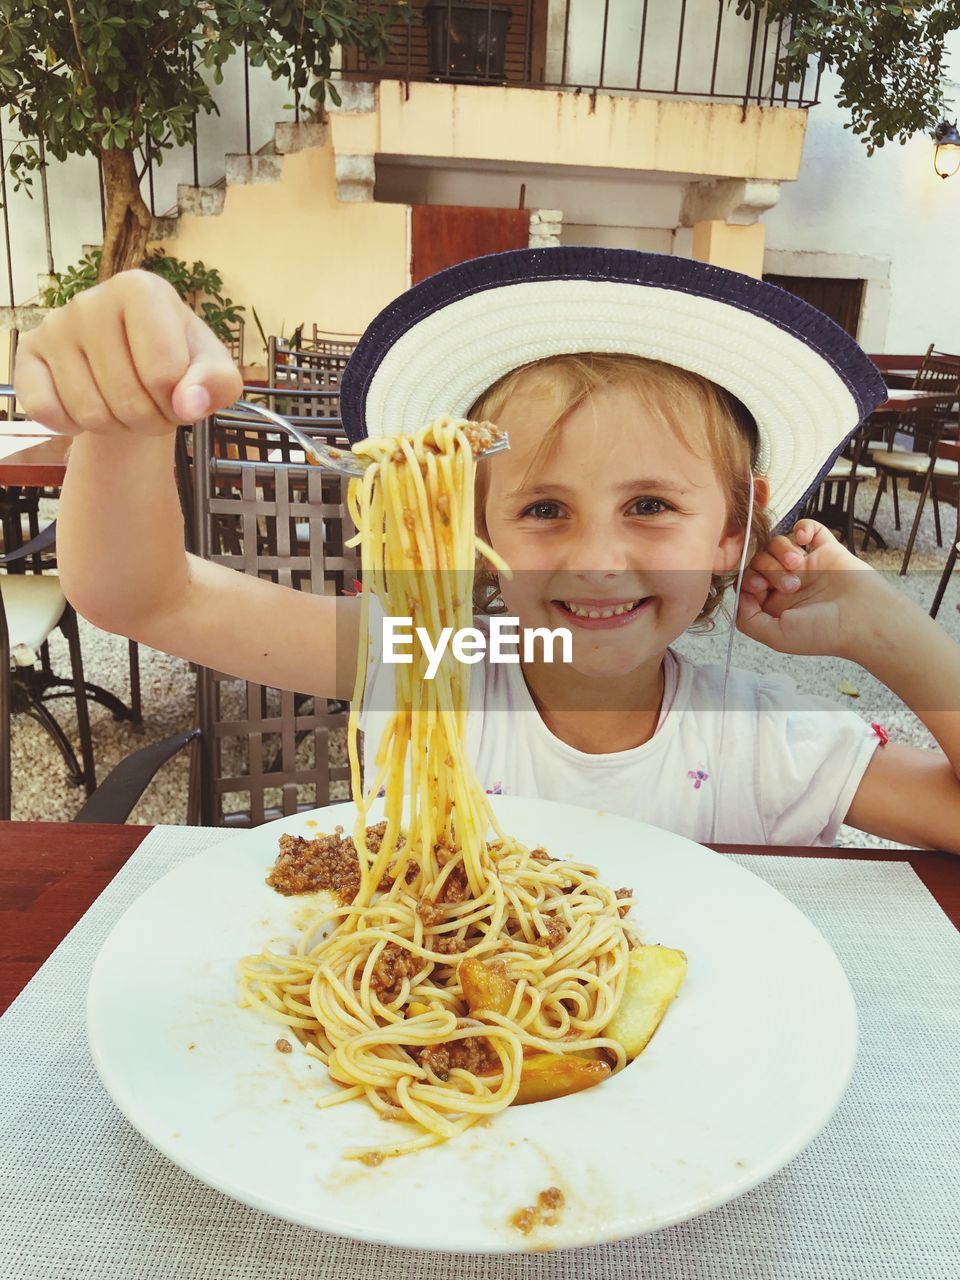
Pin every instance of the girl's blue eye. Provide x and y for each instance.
(648, 503)
(543, 510)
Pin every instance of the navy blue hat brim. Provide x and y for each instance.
(822, 353)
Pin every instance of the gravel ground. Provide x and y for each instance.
(41, 790)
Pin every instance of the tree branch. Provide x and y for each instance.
(76, 40)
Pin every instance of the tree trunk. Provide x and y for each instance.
(128, 218)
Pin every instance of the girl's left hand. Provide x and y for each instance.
(807, 594)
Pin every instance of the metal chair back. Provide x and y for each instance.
(294, 369)
(332, 344)
(266, 752)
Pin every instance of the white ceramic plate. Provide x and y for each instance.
(745, 1069)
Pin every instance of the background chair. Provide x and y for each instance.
(948, 455)
(939, 371)
(20, 517)
(339, 344)
(234, 343)
(925, 423)
(259, 752)
(32, 606)
(293, 369)
(834, 503)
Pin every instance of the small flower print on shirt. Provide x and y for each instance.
(496, 789)
(699, 777)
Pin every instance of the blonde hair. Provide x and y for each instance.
(670, 397)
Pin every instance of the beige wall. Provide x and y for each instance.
(547, 127)
(737, 248)
(294, 252)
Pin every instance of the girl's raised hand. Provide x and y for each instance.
(807, 594)
(126, 357)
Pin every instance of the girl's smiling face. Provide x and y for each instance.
(613, 531)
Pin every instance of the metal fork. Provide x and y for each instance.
(342, 461)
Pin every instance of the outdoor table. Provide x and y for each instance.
(904, 399)
(899, 400)
(898, 370)
(255, 375)
(874, 1194)
(37, 460)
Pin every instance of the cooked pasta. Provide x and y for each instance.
(463, 956)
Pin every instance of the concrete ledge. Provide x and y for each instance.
(289, 136)
(165, 228)
(356, 176)
(737, 201)
(205, 202)
(22, 318)
(514, 124)
(242, 168)
(355, 95)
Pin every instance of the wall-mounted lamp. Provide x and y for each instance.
(946, 157)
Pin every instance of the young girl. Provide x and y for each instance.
(663, 416)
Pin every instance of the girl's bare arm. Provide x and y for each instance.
(118, 367)
(839, 605)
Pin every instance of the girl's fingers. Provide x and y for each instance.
(773, 572)
(154, 330)
(115, 370)
(756, 624)
(749, 606)
(212, 381)
(755, 583)
(37, 392)
(78, 391)
(811, 534)
(785, 551)
(125, 356)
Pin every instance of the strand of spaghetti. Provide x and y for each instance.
(378, 981)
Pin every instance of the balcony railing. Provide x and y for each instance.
(698, 49)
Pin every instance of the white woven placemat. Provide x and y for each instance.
(875, 1197)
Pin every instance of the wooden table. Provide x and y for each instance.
(39, 462)
(254, 375)
(898, 370)
(51, 872)
(906, 398)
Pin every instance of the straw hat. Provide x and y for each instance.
(441, 344)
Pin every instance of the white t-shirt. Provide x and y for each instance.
(785, 770)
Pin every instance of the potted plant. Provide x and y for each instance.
(283, 344)
(198, 285)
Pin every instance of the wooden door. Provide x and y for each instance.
(840, 299)
(445, 234)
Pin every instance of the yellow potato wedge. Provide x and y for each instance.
(485, 987)
(554, 1075)
(654, 977)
